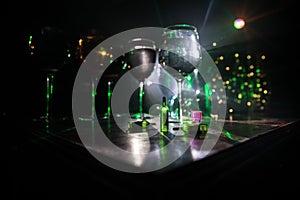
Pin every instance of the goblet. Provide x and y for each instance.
(141, 61)
(180, 54)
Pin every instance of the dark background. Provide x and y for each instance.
(271, 27)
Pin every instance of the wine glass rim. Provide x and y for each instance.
(150, 45)
(181, 26)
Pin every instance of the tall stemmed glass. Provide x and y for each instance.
(141, 60)
(180, 54)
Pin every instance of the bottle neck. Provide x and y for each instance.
(164, 102)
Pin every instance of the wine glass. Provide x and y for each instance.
(141, 61)
(180, 54)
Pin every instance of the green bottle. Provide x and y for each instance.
(164, 116)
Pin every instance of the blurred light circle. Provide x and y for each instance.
(239, 23)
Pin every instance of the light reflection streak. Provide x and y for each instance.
(139, 147)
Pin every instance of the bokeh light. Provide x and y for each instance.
(239, 23)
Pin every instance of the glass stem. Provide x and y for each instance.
(108, 98)
(179, 85)
(49, 94)
(141, 94)
(93, 98)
